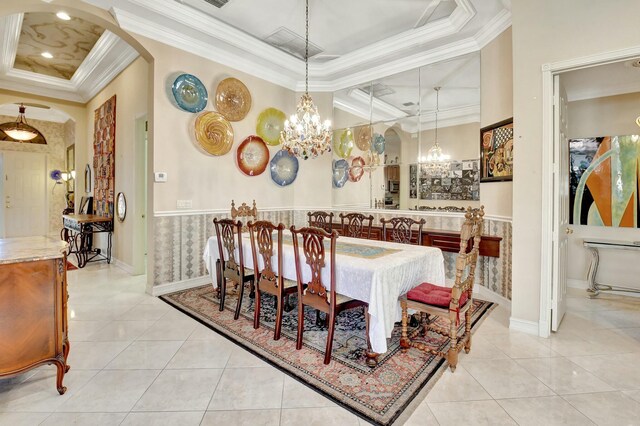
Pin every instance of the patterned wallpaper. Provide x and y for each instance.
(56, 149)
(68, 41)
(180, 242)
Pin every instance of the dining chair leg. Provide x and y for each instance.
(404, 339)
(256, 312)
(300, 324)
(452, 355)
(279, 307)
(332, 326)
(239, 303)
(467, 330)
(223, 292)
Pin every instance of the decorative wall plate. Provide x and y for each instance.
(377, 144)
(284, 168)
(343, 144)
(340, 173)
(190, 93)
(363, 137)
(233, 99)
(356, 170)
(252, 156)
(214, 133)
(270, 124)
(121, 207)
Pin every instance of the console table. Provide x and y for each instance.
(33, 306)
(593, 244)
(78, 232)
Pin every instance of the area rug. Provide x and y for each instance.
(71, 266)
(379, 395)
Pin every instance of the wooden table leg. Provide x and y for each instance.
(372, 357)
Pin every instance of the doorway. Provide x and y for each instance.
(563, 257)
(140, 203)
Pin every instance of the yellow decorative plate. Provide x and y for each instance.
(343, 144)
(363, 138)
(214, 133)
(270, 124)
(233, 99)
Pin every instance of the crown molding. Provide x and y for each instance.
(494, 28)
(12, 25)
(380, 108)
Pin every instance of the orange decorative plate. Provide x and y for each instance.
(214, 133)
(233, 99)
(252, 156)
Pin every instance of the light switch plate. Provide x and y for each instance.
(184, 204)
(160, 176)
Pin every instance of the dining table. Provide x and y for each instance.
(376, 272)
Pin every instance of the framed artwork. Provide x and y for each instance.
(460, 181)
(496, 152)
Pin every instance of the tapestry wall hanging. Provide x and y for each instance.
(604, 181)
(104, 155)
(461, 181)
(496, 152)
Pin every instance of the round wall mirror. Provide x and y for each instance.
(121, 206)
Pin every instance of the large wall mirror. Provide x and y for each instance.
(385, 129)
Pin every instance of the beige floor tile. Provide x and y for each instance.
(633, 394)
(82, 331)
(180, 390)
(203, 332)
(241, 358)
(547, 411)
(242, 418)
(519, 345)
(145, 354)
(420, 417)
(481, 349)
(148, 312)
(169, 330)
(506, 379)
(609, 408)
(39, 393)
(96, 311)
(94, 355)
(477, 413)
(563, 376)
(248, 388)
(297, 395)
(571, 344)
(121, 330)
(186, 418)
(620, 371)
(457, 386)
(202, 354)
(93, 419)
(22, 419)
(317, 417)
(111, 391)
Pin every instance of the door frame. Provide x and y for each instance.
(549, 70)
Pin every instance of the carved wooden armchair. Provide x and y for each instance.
(320, 219)
(230, 268)
(402, 230)
(245, 213)
(354, 225)
(447, 302)
(267, 280)
(315, 292)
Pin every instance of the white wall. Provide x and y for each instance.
(607, 116)
(546, 31)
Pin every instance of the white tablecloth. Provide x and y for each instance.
(377, 281)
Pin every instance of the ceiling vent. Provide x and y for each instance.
(379, 90)
(204, 5)
(217, 3)
(408, 104)
(292, 43)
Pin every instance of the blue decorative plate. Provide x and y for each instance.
(284, 168)
(377, 144)
(340, 173)
(190, 93)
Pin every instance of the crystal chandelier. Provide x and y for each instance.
(304, 134)
(436, 161)
(21, 130)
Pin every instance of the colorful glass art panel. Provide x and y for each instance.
(604, 180)
(104, 157)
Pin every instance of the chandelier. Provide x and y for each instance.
(304, 134)
(436, 161)
(20, 130)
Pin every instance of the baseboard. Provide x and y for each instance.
(161, 289)
(581, 284)
(525, 326)
(486, 294)
(122, 265)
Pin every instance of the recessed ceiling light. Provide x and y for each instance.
(63, 15)
(47, 55)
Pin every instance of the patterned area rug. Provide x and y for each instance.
(379, 395)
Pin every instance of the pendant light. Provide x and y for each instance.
(437, 162)
(304, 135)
(20, 130)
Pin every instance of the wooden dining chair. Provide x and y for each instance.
(267, 280)
(354, 225)
(315, 293)
(320, 219)
(229, 235)
(402, 230)
(244, 212)
(445, 302)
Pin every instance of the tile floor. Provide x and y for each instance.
(136, 361)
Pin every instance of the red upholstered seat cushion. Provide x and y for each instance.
(435, 295)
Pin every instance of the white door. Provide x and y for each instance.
(25, 204)
(561, 204)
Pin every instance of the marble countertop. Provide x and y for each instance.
(29, 249)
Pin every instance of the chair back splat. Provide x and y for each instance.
(244, 212)
(321, 219)
(402, 230)
(354, 225)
